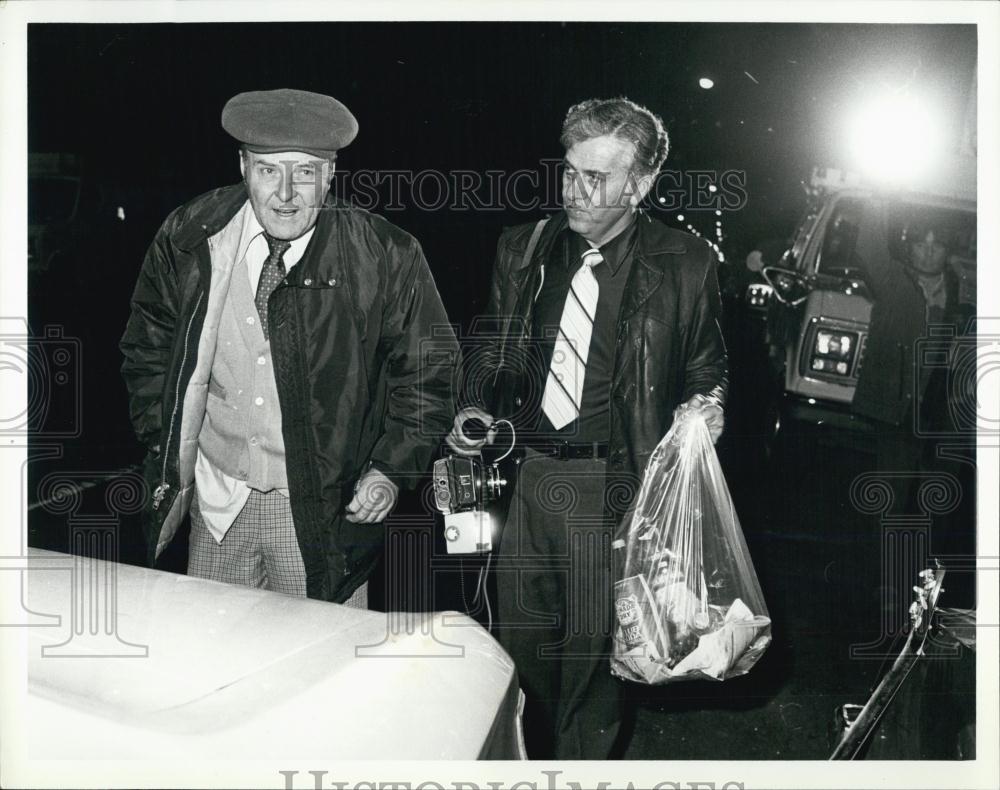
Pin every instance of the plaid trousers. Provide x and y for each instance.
(260, 549)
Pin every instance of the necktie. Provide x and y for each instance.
(272, 274)
(564, 385)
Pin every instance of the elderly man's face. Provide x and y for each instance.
(286, 189)
(599, 187)
(928, 253)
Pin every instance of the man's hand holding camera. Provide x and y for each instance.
(464, 445)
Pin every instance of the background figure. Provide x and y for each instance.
(274, 367)
(912, 291)
(622, 328)
(915, 299)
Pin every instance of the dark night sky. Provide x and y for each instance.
(142, 102)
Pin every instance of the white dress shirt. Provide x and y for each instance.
(221, 497)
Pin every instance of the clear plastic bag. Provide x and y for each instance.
(688, 601)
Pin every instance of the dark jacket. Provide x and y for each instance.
(892, 376)
(363, 359)
(669, 341)
(886, 381)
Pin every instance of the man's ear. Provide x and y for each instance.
(243, 164)
(641, 189)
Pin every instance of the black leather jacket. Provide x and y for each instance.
(669, 341)
(363, 357)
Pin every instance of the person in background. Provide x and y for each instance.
(911, 292)
(914, 297)
(274, 367)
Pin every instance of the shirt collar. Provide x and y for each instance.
(935, 293)
(614, 252)
(252, 229)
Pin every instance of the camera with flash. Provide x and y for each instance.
(463, 487)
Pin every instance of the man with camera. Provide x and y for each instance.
(274, 365)
(610, 324)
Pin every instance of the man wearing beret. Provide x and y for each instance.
(612, 330)
(274, 363)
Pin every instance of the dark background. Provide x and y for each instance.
(140, 106)
(142, 102)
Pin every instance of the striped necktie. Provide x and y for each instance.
(271, 274)
(564, 385)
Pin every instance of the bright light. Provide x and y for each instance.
(712, 188)
(718, 223)
(663, 200)
(680, 217)
(895, 138)
(706, 83)
(718, 212)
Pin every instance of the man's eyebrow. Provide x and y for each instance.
(307, 163)
(570, 165)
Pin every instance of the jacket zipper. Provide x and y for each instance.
(164, 486)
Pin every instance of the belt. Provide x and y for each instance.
(565, 451)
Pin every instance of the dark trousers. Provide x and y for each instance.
(555, 608)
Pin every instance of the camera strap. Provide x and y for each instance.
(533, 241)
(530, 250)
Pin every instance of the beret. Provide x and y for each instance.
(289, 120)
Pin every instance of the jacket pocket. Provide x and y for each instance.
(216, 389)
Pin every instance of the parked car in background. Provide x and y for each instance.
(817, 302)
(55, 207)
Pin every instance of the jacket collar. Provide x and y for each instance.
(211, 214)
(214, 210)
(654, 241)
(551, 231)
